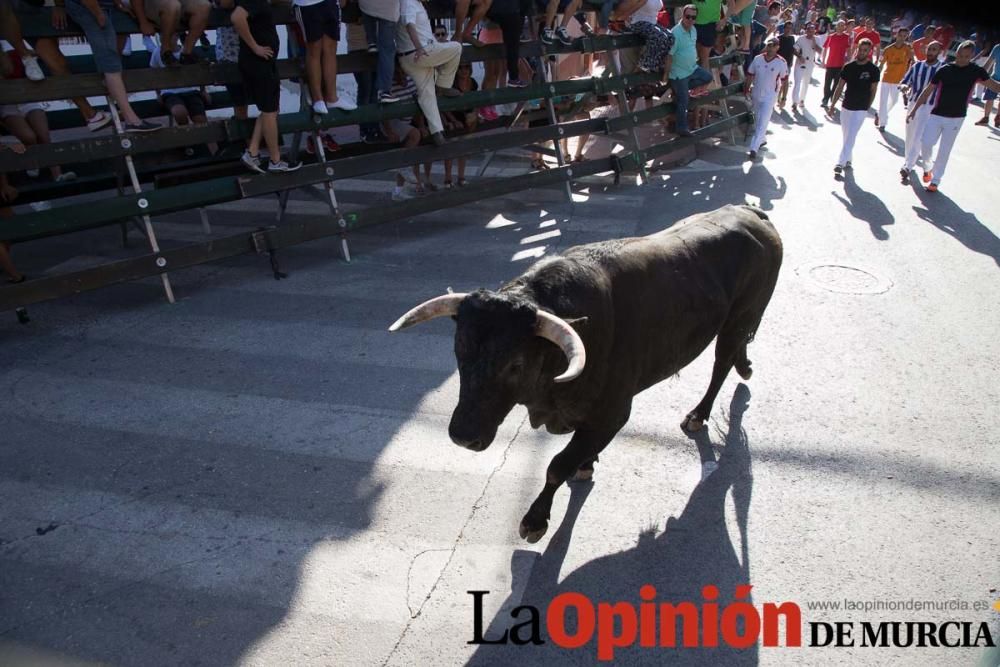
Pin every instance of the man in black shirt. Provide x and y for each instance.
(860, 78)
(786, 49)
(259, 44)
(954, 84)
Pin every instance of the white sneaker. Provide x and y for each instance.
(251, 162)
(281, 167)
(98, 120)
(319, 106)
(343, 104)
(32, 69)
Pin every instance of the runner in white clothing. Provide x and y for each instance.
(807, 50)
(764, 78)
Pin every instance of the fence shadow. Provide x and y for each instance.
(694, 550)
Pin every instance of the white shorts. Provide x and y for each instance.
(7, 110)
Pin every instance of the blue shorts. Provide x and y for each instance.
(103, 41)
(989, 95)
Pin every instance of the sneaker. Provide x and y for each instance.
(517, 83)
(983, 121)
(904, 176)
(876, 118)
(927, 176)
(343, 104)
(488, 113)
(387, 98)
(848, 165)
(98, 120)
(548, 36)
(32, 69)
(66, 176)
(372, 48)
(142, 126)
(838, 169)
(282, 167)
(932, 187)
(319, 107)
(585, 27)
(438, 138)
(190, 58)
(168, 58)
(330, 145)
(252, 162)
(564, 35)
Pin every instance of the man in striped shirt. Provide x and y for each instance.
(913, 83)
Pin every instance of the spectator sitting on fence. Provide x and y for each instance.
(186, 105)
(167, 15)
(7, 195)
(431, 64)
(641, 16)
(94, 18)
(259, 45)
(227, 50)
(552, 7)
(10, 30)
(380, 18)
(687, 78)
(320, 24)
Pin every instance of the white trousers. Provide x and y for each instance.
(762, 110)
(437, 68)
(915, 136)
(945, 129)
(803, 75)
(888, 95)
(850, 123)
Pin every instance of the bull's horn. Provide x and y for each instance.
(556, 329)
(440, 306)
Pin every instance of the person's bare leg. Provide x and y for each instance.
(39, 124)
(47, 49)
(479, 9)
(6, 262)
(314, 69)
(255, 137)
(116, 89)
(461, 11)
(170, 15)
(197, 22)
(10, 30)
(570, 10)
(329, 51)
(270, 129)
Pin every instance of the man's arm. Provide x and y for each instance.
(871, 100)
(239, 19)
(411, 30)
(924, 96)
(748, 85)
(836, 93)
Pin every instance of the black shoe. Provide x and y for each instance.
(904, 175)
(190, 58)
(438, 139)
(141, 126)
(168, 58)
(752, 155)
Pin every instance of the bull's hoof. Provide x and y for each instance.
(532, 535)
(744, 371)
(582, 475)
(692, 423)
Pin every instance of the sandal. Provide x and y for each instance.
(462, 182)
(539, 163)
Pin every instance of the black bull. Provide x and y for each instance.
(613, 318)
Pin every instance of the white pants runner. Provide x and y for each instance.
(850, 124)
(915, 138)
(945, 129)
(888, 95)
(803, 75)
(762, 110)
(438, 67)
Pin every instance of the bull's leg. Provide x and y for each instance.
(731, 348)
(582, 448)
(585, 472)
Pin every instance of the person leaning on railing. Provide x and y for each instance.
(94, 17)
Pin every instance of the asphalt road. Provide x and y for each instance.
(260, 474)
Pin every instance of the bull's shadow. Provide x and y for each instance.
(693, 551)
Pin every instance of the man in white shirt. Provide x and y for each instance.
(430, 63)
(764, 77)
(807, 49)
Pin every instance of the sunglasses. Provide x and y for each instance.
(691, 16)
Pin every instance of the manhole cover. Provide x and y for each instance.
(846, 279)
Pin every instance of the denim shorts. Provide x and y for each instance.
(103, 41)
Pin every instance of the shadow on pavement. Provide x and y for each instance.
(942, 212)
(866, 206)
(693, 551)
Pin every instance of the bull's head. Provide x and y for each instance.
(496, 345)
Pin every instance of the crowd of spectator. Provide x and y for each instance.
(418, 57)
